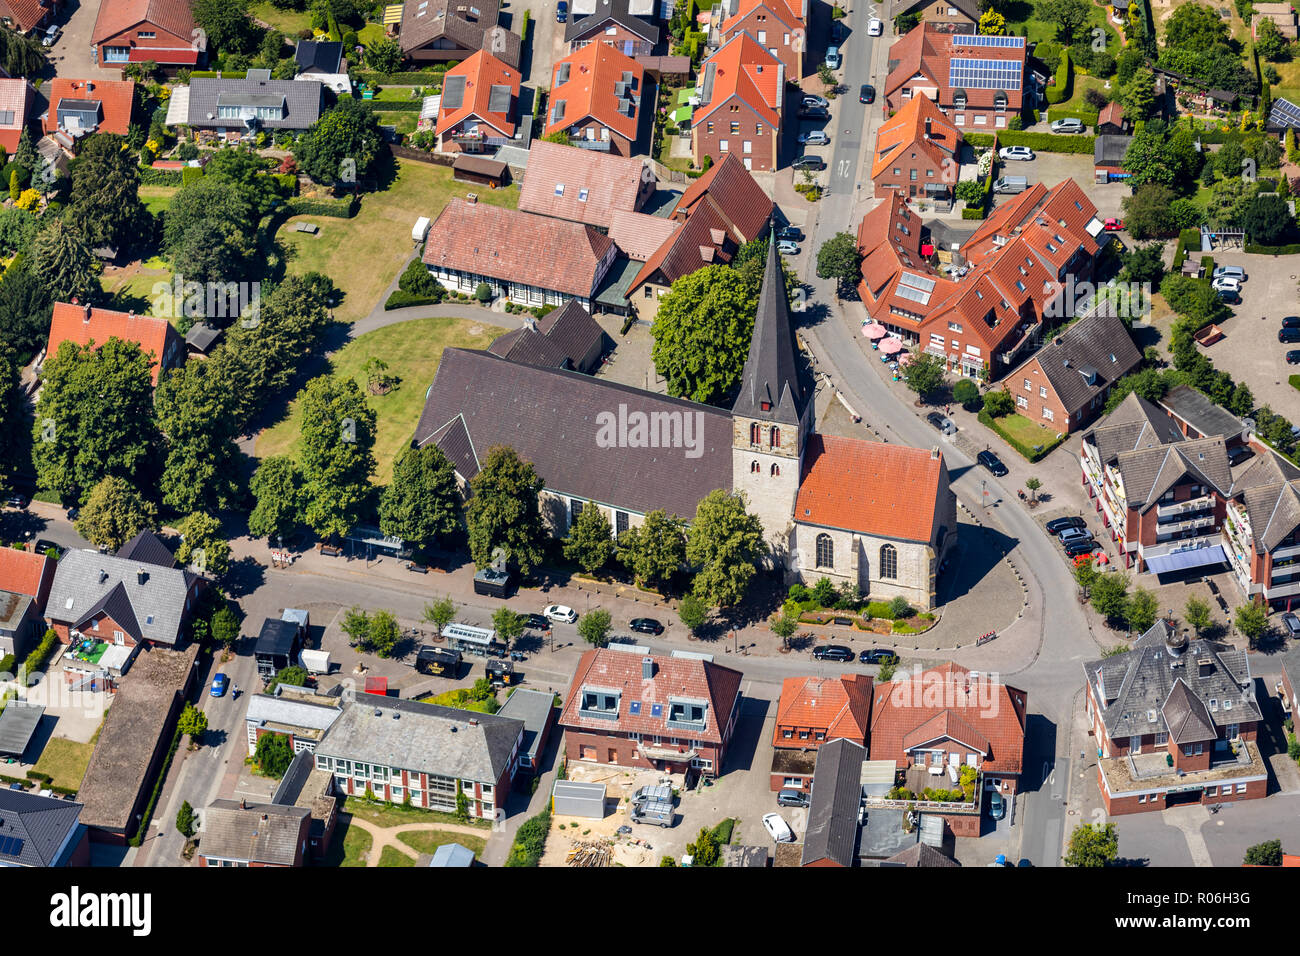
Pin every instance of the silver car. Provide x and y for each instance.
(1068, 125)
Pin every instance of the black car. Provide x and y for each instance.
(814, 113)
(1291, 322)
(1291, 623)
(992, 462)
(808, 162)
(647, 625)
(790, 234)
(878, 655)
(1288, 335)
(15, 501)
(1057, 525)
(45, 544)
(867, 94)
(1231, 298)
(1076, 548)
(832, 652)
(1293, 357)
(537, 622)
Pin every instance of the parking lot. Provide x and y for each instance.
(1053, 168)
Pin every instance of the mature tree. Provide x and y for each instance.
(924, 374)
(1268, 853)
(1268, 221)
(590, 541)
(751, 262)
(384, 55)
(94, 417)
(203, 545)
(1252, 621)
(1067, 16)
(1228, 201)
(1110, 597)
(507, 623)
(277, 488)
(1145, 263)
(1154, 156)
(244, 172)
(13, 414)
(423, 502)
(702, 333)
(210, 232)
(693, 613)
(840, 259)
(440, 613)
(196, 408)
(193, 722)
(294, 676)
(1129, 61)
(356, 625)
(105, 181)
(998, 403)
(993, 23)
(967, 393)
(342, 146)
(1138, 95)
(1196, 28)
(1141, 611)
(783, 626)
(656, 550)
(594, 627)
(64, 261)
(21, 56)
(383, 634)
(725, 544)
(225, 626)
(1093, 844)
(227, 25)
(338, 435)
(273, 754)
(185, 820)
(504, 511)
(114, 513)
(1197, 614)
(1269, 42)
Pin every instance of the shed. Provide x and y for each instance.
(437, 661)
(277, 647)
(452, 854)
(17, 725)
(481, 170)
(201, 337)
(420, 230)
(575, 799)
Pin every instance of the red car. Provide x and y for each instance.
(1114, 225)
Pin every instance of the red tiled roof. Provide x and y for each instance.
(640, 235)
(743, 69)
(906, 129)
(24, 13)
(505, 244)
(839, 705)
(70, 325)
(15, 95)
(859, 486)
(889, 237)
(23, 572)
(612, 183)
(945, 702)
(174, 16)
(482, 71)
(115, 98)
(702, 241)
(734, 194)
(785, 14)
(589, 90)
(1112, 112)
(620, 671)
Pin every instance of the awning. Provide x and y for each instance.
(1182, 560)
(392, 14)
(681, 115)
(182, 56)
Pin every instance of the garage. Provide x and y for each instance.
(576, 799)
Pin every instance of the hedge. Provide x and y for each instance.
(403, 300)
(219, 74)
(332, 208)
(394, 106)
(191, 174)
(1046, 142)
(1025, 451)
(1186, 238)
(1256, 250)
(969, 213)
(523, 27)
(530, 841)
(160, 177)
(421, 78)
(1064, 80)
(1087, 116)
(980, 139)
(7, 664)
(37, 658)
(1294, 380)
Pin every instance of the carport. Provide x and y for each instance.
(17, 725)
(576, 799)
(1184, 560)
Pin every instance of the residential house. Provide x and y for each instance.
(777, 26)
(474, 242)
(21, 624)
(27, 573)
(584, 185)
(1283, 16)
(1111, 121)
(954, 16)
(41, 831)
(238, 833)
(1261, 530)
(1175, 721)
(831, 838)
(595, 99)
(313, 790)
(238, 109)
(920, 855)
(143, 31)
(917, 152)
(398, 748)
(28, 17)
(298, 713)
(1198, 417)
(899, 286)
(536, 709)
(811, 712)
(81, 107)
(641, 710)
(322, 61)
(567, 337)
(15, 100)
(932, 723)
(439, 31)
(82, 325)
(1065, 384)
(480, 98)
(979, 81)
(742, 89)
(626, 25)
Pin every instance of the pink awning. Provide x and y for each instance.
(891, 345)
(874, 330)
(905, 359)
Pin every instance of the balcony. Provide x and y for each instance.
(1188, 524)
(1203, 503)
(600, 145)
(666, 752)
(1178, 545)
(1282, 554)
(1289, 589)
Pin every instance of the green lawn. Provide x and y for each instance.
(65, 760)
(412, 351)
(288, 22)
(134, 291)
(157, 198)
(1289, 85)
(363, 254)
(396, 815)
(403, 121)
(1029, 432)
(426, 841)
(458, 699)
(1038, 30)
(392, 856)
(350, 845)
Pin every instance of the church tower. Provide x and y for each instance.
(773, 413)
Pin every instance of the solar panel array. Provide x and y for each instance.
(11, 846)
(984, 74)
(977, 39)
(1284, 113)
(916, 288)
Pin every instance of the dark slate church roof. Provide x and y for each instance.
(771, 374)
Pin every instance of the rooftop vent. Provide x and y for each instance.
(1175, 643)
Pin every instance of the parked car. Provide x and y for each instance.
(1228, 296)
(537, 622)
(1010, 184)
(1288, 335)
(51, 35)
(878, 655)
(1226, 284)
(1074, 534)
(45, 544)
(808, 162)
(1079, 547)
(647, 625)
(560, 613)
(941, 422)
(867, 93)
(1057, 525)
(74, 513)
(787, 248)
(833, 57)
(219, 685)
(16, 501)
(1291, 322)
(792, 798)
(1291, 623)
(777, 828)
(1113, 225)
(562, 12)
(832, 652)
(1231, 272)
(1293, 357)
(875, 27)
(1021, 154)
(815, 137)
(1068, 125)
(814, 113)
(997, 806)
(1239, 454)
(792, 233)
(812, 100)
(992, 462)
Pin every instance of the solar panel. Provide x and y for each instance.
(11, 846)
(984, 74)
(917, 282)
(1284, 113)
(916, 295)
(975, 39)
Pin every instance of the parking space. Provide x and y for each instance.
(71, 53)
(1053, 168)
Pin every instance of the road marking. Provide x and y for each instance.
(844, 169)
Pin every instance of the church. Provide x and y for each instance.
(877, 515)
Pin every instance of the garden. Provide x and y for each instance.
(824, 604)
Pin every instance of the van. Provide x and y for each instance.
(833, 57)
(1011, 184)
(655, 812)
(660, 793)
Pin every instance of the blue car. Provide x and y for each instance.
(561, 12)
(219, 684)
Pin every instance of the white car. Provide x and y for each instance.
(814, 138)
(777, 828)
(787, 248)
(560, 613)
(875, 27)
(1226, 284)
(1021, 153)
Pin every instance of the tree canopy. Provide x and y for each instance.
(114, 513)
(344, 143)
(702, 333)
(504, 511)
(338, 438)
(423, 502)
(725, 544)
(105, 182)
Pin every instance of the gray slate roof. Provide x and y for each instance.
(832, 832)
(549, 416)
(534, 708)
(1271, 493)
(322, 55)
(1135, 423)
(1109, 149)
(1195, 408)
(1139, 685)
(1149, 472)
(423, 737)
(1086, 360)
(292, 712)
(303, 102)
(41, 823)
(562, 339)
(606, 11)
(86, 583)
(258, 833)
(772, 372)
(452, 854)
(921, 854)
(17, 724)
(148, 548)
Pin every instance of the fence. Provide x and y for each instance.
(421, 156)
(665, 174)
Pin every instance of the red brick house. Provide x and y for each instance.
(664, 713)
(83, 325)
(777, 27)
(595, 98)
(25, 572)
(741, 96)
(918, 151)
(89, 106)
(1175, 722)
(24, 16)
(137, 31)
(477, 109)
(811, 712)
(625, 25)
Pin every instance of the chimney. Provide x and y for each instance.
(89, 86)
(1175, 643)
(86, 313)
(647, 668)
(934, 452)
(141, 575)
(264, 818)
(242, 804)
(927, 127)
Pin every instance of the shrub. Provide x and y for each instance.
(417, 281)
(880, 609)
(1064, 81)
(824, 593)
(798, 592)
(8, 663)
(483, 293)
(37, 658)
(191, 174)
(899, 608)
(530, 841)
(966, 393)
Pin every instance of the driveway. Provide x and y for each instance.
(1053, 168)
(71, 54)
(544, 33)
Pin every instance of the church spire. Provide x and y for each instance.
(770, 389)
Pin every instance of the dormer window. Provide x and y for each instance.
(598, 702)
(765, 406)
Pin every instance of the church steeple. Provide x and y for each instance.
(770, 389)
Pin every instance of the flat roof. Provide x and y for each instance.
(1195, 408)
(17, 725)
(276, 637)
(535, 708)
